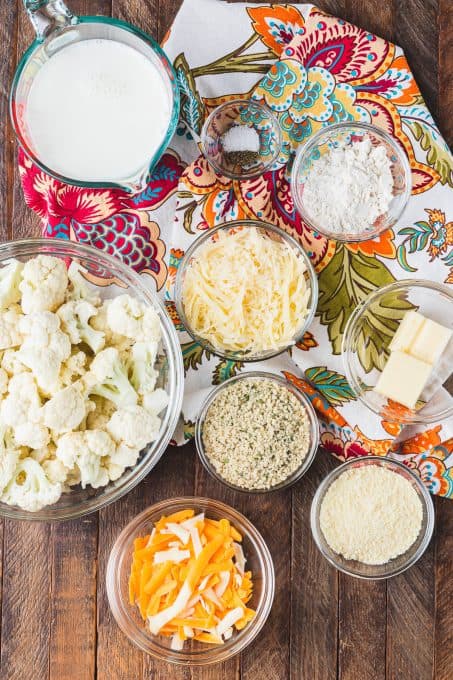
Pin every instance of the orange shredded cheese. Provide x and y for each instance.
(203, 592)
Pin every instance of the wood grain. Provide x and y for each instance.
(56, 623)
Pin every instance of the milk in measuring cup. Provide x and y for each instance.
(98, 110)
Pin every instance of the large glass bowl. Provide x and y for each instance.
(349, 133)
(396, 565)
(259, 561)
(272, 232)
(364, 335)
(113, 278)
(305, 402)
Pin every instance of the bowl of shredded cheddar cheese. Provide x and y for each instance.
(246, 290)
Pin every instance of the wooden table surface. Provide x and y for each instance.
(55, 619)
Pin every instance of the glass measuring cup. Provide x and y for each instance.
(57, 27)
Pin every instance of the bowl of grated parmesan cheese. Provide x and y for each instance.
(351, 181)
(372, 517)
(246, 290)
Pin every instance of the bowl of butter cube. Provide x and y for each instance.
(398, 352)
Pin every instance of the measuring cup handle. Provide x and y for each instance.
(48, 15)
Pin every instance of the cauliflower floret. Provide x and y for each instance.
(75, 316)
(10, 278)
(34, 435)
(156, 401)
(73, 368)
(55, 470)
(30, 488)
(108, 378)
(4, 377)
(133, 426)
(12, 364)
(86, 451)
(124, 456)
(9, 457)
(78, 287)
(143, 375)
(128, 316)
(99, 323)
(44, 283)
(66, 410)
(10, 335)
(101, 414)
(44, 349)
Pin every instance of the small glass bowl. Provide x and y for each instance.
(109, 277)
(349, 133)
(259, 561)
(363, 330)
(314, 431)
(398, 564)
(272, 232)
(243, 112)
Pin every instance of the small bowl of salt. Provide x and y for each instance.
(351, 181)
(241, 139)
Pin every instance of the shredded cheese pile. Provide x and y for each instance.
(188, 579)
(246, 292)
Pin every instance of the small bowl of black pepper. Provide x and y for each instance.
(257, 432)
(241, 139)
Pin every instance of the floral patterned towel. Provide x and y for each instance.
(322, 70)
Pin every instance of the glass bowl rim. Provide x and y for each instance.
(314, 141)
(422, 493)
(212, 654)
(200, 241)
(31, 247)
(124, 184)
(275, 126)
(297, 475)
(346, 345)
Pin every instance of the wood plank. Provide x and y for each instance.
(417, 32)
(314, 587)
(443, 652)
(8, 36)
(410, 621)
(445, 70)
(73, 599)
(26, 601)
(141, 13)
(362, 629)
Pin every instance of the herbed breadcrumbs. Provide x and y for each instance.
(256, 433)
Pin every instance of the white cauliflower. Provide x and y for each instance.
(128, 316)
(100, 323)
(143, 373)
(123, 457)
(10, 335)
(73, 368)
(65, 410)
(55, 470)
(21, 410)
(10, 278)
(4, 378)
(86, 451)
(75, 316)
(78, 288)
(133, 426)
(44, 349)
(108, 378)
(156, 401)
(12, 364)
(103, 410)
(44, 283)
(9, 457)
(30, 488)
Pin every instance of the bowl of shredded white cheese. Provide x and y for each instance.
(372, 517)
(246, 290)
(351, 181)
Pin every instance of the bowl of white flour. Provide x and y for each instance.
(351, 181)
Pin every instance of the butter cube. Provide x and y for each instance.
(403, 378)
(407, 331)
(430, 342)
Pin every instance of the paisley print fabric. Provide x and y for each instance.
(313, 70)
